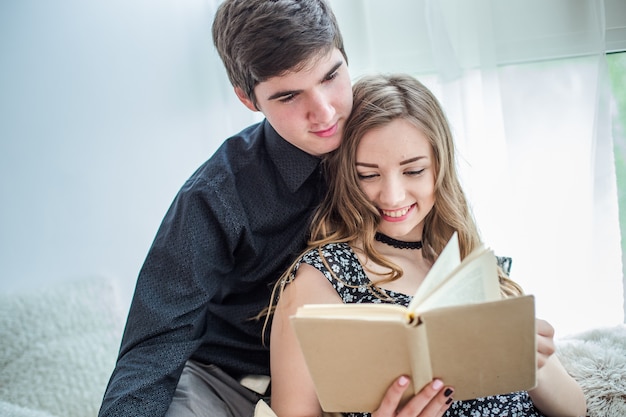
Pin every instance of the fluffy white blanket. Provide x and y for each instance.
(597, 360)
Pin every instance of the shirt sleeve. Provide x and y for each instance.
(168, 311)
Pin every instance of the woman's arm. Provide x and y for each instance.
(557, 393)
(293, 392)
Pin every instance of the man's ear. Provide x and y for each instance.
(244, 99)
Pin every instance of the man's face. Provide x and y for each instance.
(308, 108)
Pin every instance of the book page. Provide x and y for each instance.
(448, 261)
(474, 281)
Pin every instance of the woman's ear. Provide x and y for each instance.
(244, 99)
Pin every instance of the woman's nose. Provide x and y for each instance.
(391, 193)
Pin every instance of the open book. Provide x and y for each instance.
(457, 328)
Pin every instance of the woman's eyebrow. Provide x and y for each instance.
(408, 161)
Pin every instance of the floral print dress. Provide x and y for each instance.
(353, 286)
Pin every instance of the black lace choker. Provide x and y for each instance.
(397, 243)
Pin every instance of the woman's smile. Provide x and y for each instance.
(396, 215)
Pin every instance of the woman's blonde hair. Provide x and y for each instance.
(346, 214)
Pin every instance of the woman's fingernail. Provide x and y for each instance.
(403, 381)
(448, 392)
(449, 400)
(437, 384)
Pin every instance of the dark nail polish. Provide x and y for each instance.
(449, 400)
(448, 392)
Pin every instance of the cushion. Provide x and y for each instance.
(59, 346)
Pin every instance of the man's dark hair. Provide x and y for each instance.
(261, 39)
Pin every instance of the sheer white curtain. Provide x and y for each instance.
(525, 87)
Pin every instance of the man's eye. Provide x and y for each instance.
(287, 98)
(332, 75)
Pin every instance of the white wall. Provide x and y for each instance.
(105, 109)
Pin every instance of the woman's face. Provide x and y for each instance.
(394, 164)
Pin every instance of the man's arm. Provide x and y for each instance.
(168, 311)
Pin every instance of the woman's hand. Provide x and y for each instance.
(556, 393)
(432, 401)
(545, 342)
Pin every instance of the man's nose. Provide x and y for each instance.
(321, 109)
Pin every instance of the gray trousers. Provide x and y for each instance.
(207, 391)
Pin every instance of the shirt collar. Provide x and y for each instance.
(294, 165)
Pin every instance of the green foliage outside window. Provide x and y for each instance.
(617, 71)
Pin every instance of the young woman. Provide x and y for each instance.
(394, 201)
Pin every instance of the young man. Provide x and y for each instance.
(191, 346)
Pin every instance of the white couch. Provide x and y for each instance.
(58, 346)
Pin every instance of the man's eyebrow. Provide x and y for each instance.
(280, 94)
(333, 69)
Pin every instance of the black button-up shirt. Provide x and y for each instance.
(233, 228)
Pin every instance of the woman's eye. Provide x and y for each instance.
(415, 172)
(366, 176)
